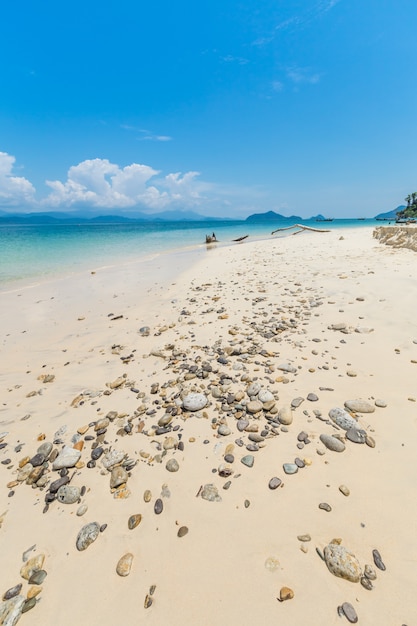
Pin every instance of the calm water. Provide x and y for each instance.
(33, 251)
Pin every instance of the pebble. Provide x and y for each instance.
(325, 507)
(253, 389)
(224, 430)
(265, 396)
(271, 564)
(29, 604)
(366, 583)
(118, 477)
(369, 572)
(210, 493)
(134, 521)
(194, 402)
(172, 465)
(68, 457)
(274, 483)
(312, 397)
(378, 560)
(356, 435)
(342, 563)
(342, 418)
(82, 510)
(290, 468)
(32, 565)
(254, 406)
(68, 494)
(304, 537)
(380, 403)
(87, 535)
(12, 592)
(147, 496)
(182, 531)
(112, 458)
(370, 441)
(349, 612)
(241, 424)
(332, 443)
(124, 564)
(345, 490)
(286, 594)
(158, 506)
(296, 402)
(248, 460)
(359, 406)
(285, 415)
(37, 577)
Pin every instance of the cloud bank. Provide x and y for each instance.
(101, 184)
(14, 190)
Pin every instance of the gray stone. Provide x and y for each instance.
(378, 560)
(248, 460)
(287, 367)
(112, 458)
(380, 403)
(68, 494)
(349, 612)
(68, 457)
(285, 415)
(12, 592)
(253, 389)
(356, 435)
(87, 535)
(332, 443)
(194, 402)
(342, 418)
(290, 468)
(242, 423)
(342, 563)
(265, 396)
(210, 493)
(296, 402)
(274, 483)
(359, 406)
(172, 465)
(224, 430)
(37, 577)
(11, 610)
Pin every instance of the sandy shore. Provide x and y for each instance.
(108, 362)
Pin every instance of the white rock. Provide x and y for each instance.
(68, 457)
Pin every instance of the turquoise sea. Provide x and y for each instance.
(32, 252)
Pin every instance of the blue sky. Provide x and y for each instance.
(220, 107)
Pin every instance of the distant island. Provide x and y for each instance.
(271, 216)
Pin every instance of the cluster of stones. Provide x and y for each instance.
(346, 420)
(344, 564)
(14, 603)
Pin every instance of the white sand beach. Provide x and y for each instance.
(304, 323)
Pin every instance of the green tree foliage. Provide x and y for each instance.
(410, 211)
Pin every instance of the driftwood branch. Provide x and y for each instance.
(301, 227)
(241, 238)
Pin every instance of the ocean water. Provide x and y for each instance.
(34, 252)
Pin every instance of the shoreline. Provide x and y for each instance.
(315, 321)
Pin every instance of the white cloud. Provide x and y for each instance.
(14, 190)
(304, 75)
(100, 184)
